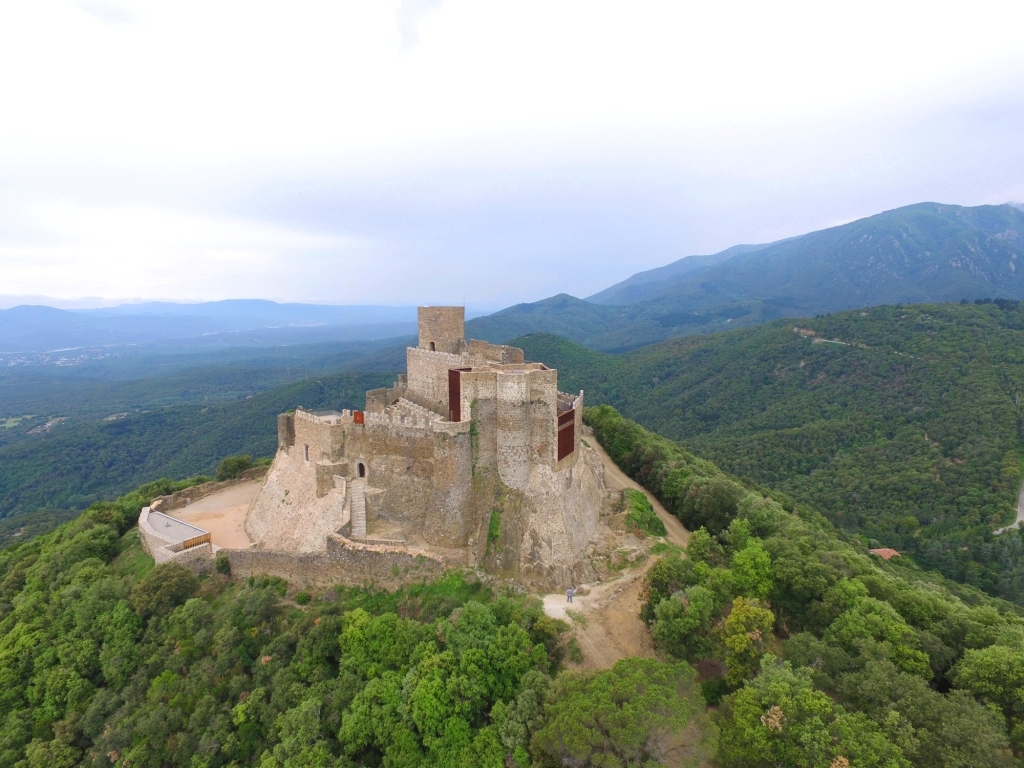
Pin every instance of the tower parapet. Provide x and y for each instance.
(442, 329)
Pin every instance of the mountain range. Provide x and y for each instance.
(926, 252)
(30, 328)
(919, 253)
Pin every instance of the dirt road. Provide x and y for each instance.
(617, 480)
(1020, 514)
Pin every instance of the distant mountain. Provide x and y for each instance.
(26, 329)
(899, 424)
(644, 284)
(263, 312)
(920, 253)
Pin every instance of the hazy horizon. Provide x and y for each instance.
(450, 152)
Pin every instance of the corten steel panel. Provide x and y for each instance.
(455, 393)
(566, 417)
(357, 417)
(566, 440)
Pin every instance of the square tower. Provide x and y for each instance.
(442, 329)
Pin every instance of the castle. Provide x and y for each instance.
(473, 457)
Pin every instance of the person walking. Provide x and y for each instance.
(569, 594)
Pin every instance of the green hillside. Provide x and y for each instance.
(73, 465)
(881, 664)
(920, 253)
(816, 654)
(898, 423)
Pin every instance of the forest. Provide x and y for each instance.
(815, 652)
(72, 466)
(781, 642)
(902, 424)
(107, 660)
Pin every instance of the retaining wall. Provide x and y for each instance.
(181, 498)
(341, 564)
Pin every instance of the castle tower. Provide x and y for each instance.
(442, 329)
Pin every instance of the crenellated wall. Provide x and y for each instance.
(402, 472)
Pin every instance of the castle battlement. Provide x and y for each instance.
(432, 456)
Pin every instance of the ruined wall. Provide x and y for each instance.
(495, 353)
(425, 472)
(379, 399)
(339, 564)
(428, 378)
(444, 327)
(187, 496)
(293, 511)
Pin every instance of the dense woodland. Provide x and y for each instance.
(74, 465)
(901, 424)
(828, 656)
(106, 660)
(811, 653)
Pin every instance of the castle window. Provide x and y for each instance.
(362, 469)
(306, 448)
(433, 348)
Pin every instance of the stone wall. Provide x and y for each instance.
(166, 551)
(340, 564)
(292, 512)
(188, 495)
(442, 329)
(428, 377)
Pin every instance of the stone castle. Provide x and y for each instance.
(473, 458)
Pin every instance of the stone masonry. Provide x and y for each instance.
(470, 431)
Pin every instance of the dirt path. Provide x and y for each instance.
(617, 480)
(222, 514)
(1020, 514)
(607, 622)
(606, 619)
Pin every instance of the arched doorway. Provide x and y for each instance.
(433, 348)
(361, 469)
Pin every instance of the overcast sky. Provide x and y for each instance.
(478, 152)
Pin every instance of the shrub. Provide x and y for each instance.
(164, 588)
(233, 466)
(641, 515)
(303, 598)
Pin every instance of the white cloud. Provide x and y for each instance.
(507, 150)
(66, 249)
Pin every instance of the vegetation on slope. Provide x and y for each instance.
(919, 253)
(831, 657)
(71, 467)
(108, 661)
(901, 424)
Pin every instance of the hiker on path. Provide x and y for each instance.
(568, 594)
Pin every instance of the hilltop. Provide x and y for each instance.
(919, 253)
(900, 424)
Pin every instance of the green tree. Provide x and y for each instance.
(778, 719)
(710, 502)
(873, 626)
(233, 466)
(620, 717)
(745, 634)
(752, 571)
(683, 623)
(166, 586)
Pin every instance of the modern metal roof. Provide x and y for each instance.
(173, 529)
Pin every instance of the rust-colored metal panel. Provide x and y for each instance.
(455, 394)
(566, 440)
(357, 417)
(566, 417)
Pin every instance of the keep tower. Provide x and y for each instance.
(442, 329)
